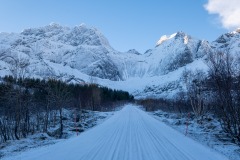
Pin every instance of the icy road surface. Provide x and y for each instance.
(131, 134)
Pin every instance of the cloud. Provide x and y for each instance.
(227, 10)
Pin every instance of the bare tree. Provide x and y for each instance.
(223, 73)
(195, 86)
(59, 96)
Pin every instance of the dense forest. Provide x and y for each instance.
(29, 106)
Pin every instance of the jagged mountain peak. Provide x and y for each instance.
(165, 38)
(75, 36)
(176, 36)
(224, 38)
(94, 36)
(180, 34)
(228, 42)
(41, 31)
(133, 51)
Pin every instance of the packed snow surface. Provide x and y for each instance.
(131, 134)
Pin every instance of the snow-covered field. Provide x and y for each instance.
(130, 134)
(206, 130)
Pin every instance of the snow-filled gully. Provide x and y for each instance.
(131, 134)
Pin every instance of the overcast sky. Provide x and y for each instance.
(127, 24)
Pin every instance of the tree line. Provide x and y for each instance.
(29, 106)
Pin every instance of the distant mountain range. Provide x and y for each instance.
(82, 53)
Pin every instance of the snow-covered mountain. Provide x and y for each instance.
(229, 42)
(82, 48)
(79, 53)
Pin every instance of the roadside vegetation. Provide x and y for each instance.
(29, 106)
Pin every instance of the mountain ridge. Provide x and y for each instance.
(81, 52)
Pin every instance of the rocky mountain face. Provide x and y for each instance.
(175, 52)
(82, 48)
(229, 42)
(81, 52)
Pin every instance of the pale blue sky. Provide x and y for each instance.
(126, 23)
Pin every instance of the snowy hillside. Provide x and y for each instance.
(76, 54)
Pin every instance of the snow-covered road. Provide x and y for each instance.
(131, 134)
